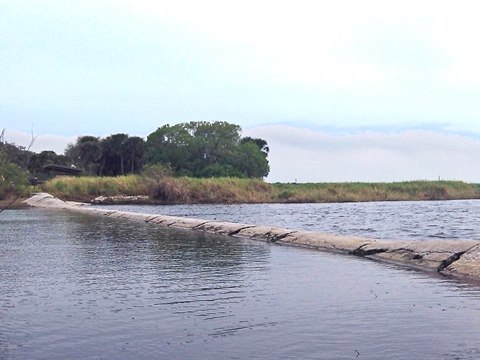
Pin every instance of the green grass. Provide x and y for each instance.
(219, 190)
(87, 188)
(354, 192)
(185, 190)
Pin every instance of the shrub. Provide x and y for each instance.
(13, 179)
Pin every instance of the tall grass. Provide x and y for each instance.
(87, 188)
(218, 190)
(165, 190)
(185, 190)
(353, 192)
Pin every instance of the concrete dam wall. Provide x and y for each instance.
(451, 257)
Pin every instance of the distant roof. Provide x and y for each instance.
(70, 170)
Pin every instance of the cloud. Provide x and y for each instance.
(305, 155)
(133, 65)
(42, 142)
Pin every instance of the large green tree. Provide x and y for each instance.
(206, 149)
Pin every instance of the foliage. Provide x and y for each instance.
(260, 143)
(134, 154)
(15, 154)
(117, 154)
(208, 149)
(13, 179)
(113, 155)
(86, 154)
(198, 149)
(38, 161)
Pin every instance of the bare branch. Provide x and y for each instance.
(29, 154)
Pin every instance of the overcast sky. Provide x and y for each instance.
(341, 90)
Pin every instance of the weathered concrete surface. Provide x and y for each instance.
(323, 241)
(431, 254)
(468, 264)
(224, 228)
(265, 233)
(46, 200)
(461, 258)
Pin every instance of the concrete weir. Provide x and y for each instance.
(460, 258)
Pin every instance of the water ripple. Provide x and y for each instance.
(77, 286)
(423, 220)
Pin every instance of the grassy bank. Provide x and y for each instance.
(168, 190)
(185, 190)
(87, 188)
(353, 192)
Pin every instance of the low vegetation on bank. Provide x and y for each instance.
(167, 190)
(357, 191)
(186, 190)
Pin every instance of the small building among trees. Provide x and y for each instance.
(55, 169)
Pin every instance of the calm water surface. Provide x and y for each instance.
(75, 286)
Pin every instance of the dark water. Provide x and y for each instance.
(382, 220)
(80, 287)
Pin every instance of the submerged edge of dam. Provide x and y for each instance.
(451, 257)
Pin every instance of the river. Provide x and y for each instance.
(406, 220)
(84, 287)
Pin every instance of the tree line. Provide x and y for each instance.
(196, 149)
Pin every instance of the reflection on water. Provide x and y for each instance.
(381, 220)
(75, 286)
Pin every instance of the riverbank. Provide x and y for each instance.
(168, 190)
(450, 257)
(13, 203)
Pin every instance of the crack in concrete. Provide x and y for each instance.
(197, 227)
(235, 232)
(283, 236)
(452, 259)
(362, 253)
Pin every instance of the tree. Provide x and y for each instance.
(86, 153)
(38, 161)
(260, 143)
(13, 179)
(206, 149)
(134, 153)
(15, 154)
(113, 155)
(250, 161)
(117, 154)
(171, 146)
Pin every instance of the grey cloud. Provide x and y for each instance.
(312, 156)
(42, 142)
